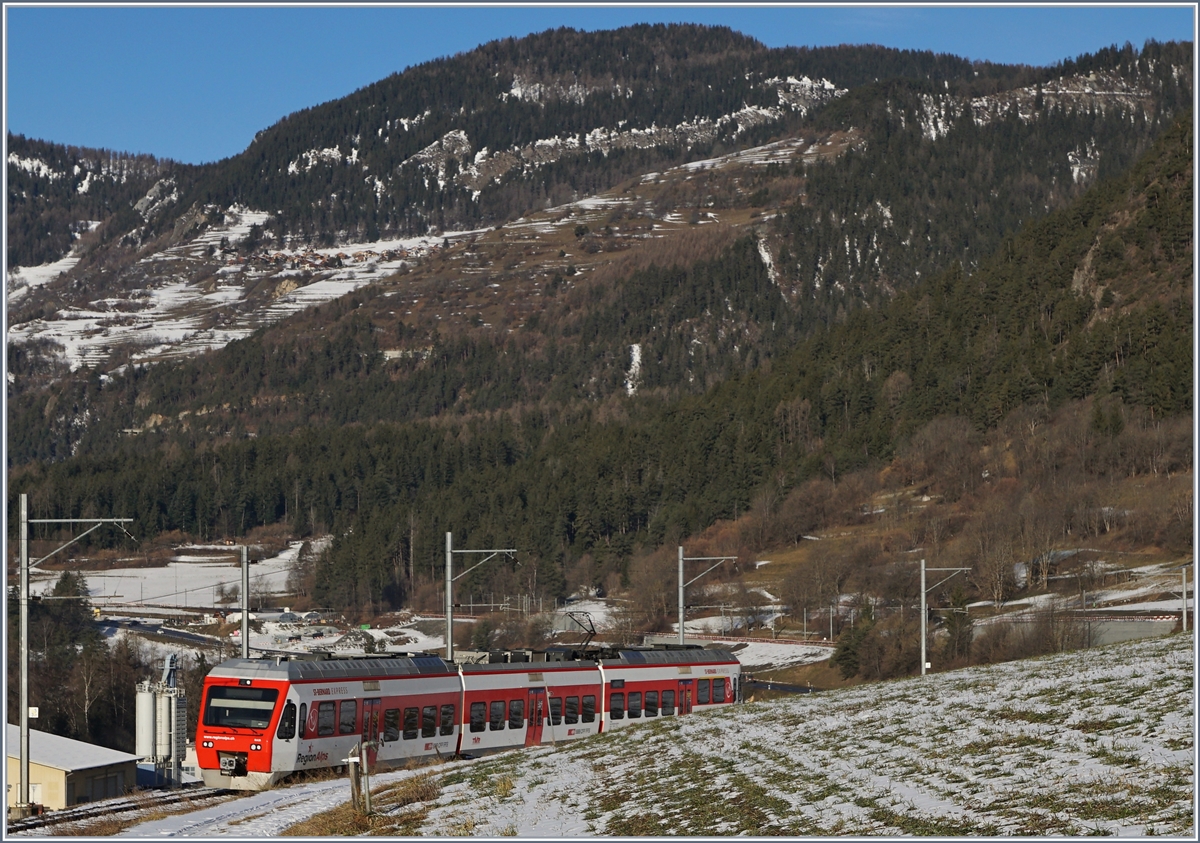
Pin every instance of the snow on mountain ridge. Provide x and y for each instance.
(1099, 91)
(36, 166)
(313, 157)
(576, 92)
(477, 170)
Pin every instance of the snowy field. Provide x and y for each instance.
(1095, 742)
(189, 581)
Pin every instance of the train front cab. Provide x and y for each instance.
(261, 721)
(235, 738)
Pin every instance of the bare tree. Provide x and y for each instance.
(87, 680)
(993, 551)
(621, 628)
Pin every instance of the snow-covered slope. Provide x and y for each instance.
(1093, 742)
(183, 306)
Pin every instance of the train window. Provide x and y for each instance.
(616, 706)
(589, 709)
(496, 719)
(304, 730)
(391, 725)
(635, 704)
(478, 716)
(516, 714)
(429, 721)
(287, 723)
(702, 691)
(348, 717)
(652, 703)
(572, 711)
(555, 711)
(239, 707)
(410, 723)
(448, 719)
(718, 690)
(668, 703)
(325, 718)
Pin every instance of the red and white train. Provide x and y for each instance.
(263, 719)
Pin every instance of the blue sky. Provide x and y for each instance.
(196, 83)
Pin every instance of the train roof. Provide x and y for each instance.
(297, 668)
(308, 669)
(671, 657)
(568, 659)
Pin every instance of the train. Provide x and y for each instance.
(264, 719)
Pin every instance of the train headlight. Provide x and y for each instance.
(207, 744)
(256, 746)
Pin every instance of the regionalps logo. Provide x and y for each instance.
(309, 758)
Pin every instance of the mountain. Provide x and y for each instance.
(523, 125)
(819, 257)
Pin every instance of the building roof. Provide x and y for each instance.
(62, 753)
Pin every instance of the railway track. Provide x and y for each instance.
(195, 797)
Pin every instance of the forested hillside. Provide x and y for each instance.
(932, 166)
(1090, 304)
(56, 194)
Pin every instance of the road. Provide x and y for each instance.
(165, 633)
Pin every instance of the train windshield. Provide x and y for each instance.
(239, 707)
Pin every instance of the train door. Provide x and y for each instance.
(370, 730)
(685, 696)
(537, 716)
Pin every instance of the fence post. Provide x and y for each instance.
(366, 774)
(352, 768)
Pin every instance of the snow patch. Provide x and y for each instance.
(635, 369)
(307, 160)
(768, 261)
(36, 166)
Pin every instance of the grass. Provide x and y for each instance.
(105, 827)
(398, 809)
(1027, 715)
(917, 824)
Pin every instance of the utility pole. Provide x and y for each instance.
(718, 560)
(21, 809)
(925, 605)
(22, 806)
(450, 551)
(924, 619)
(245, 602)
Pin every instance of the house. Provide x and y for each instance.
(65, 772)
